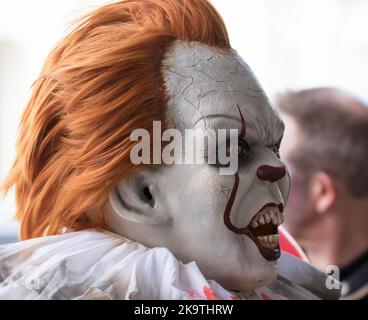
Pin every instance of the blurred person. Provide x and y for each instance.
(325, 145)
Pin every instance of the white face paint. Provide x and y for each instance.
(194, 211)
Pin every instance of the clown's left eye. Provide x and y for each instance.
(241, 150)
(276, 150)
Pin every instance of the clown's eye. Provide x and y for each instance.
(276, 150)
(241, 150)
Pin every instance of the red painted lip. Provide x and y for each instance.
(268, 254)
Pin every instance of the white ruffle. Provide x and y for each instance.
(97, 264)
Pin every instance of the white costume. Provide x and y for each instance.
(97, 264)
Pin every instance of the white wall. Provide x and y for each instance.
(28, 31)
(293, 44)
(290, 44)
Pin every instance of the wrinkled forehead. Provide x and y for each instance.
(208, 86)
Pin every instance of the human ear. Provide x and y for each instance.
(137, 199)
(323, 192)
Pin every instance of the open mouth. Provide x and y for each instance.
(262, 229)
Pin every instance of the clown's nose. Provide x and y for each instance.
(269, 173)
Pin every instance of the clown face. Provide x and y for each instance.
(227, 224)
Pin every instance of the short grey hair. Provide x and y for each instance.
(334, 126)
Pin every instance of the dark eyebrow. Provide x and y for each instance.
(213, 116)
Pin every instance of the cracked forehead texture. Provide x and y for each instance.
(204, 82)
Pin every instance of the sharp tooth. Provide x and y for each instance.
(276, 237)
(274, 218)
(277, 215)
(254, 224)
(270, 239)
(265, 239)
(267, 217)
(261, 220)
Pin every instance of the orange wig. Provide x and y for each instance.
(100, 83)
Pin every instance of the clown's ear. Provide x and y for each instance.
(136, 199)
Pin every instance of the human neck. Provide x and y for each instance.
(339, 238)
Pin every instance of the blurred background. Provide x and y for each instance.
(290, 44)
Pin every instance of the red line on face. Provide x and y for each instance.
(229, 205)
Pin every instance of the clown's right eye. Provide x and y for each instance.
(241, 150)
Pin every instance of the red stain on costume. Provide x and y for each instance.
(265, 296)
(193, 294)
(209, 293)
